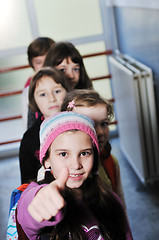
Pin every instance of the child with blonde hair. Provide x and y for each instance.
(91, 104)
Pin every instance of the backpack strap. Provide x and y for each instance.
(12, 232)
(23, 187)
(16, 195)
(12, 228)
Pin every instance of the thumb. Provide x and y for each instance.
(62, 178)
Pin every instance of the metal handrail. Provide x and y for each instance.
(108, 52)
(10, 118)
(10, 69)
(6, 94)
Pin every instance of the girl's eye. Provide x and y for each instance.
(63, 154)
(76, 69)
(57, 91)
(38, 63)
(42, 94)
(85, 153)
(104, 124)
(62, 70)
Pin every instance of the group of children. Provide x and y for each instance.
(80, 195)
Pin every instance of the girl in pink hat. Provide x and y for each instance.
(71, 202)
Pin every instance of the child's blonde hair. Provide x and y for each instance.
(86, 98)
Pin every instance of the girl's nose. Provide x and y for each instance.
(52, 97)
(70, 73)
(99, 130)
(75, 163)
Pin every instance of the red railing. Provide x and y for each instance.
(11, 93)
(108, 52)
(10, 69)
(10, 118)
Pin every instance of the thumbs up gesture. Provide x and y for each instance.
(48, 201)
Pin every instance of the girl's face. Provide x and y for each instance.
(100, 116)
(72, 150)
(71, 71)
(38, 62)
(49, 96)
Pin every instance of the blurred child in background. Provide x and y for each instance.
(66, 58)
(91, 104)
(36, 52)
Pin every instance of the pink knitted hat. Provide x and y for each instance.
(62, 122)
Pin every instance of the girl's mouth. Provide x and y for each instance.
(53, 107)
(75, 176)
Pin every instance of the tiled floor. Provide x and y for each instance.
(142, 201)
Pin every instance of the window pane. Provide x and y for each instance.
(97, 67)
(14, 24)
(61, 19)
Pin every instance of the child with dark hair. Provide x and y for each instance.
(65, 57)
(71, 202)
(36, 52)
(46, 93)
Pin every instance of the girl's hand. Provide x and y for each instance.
(48, 201)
